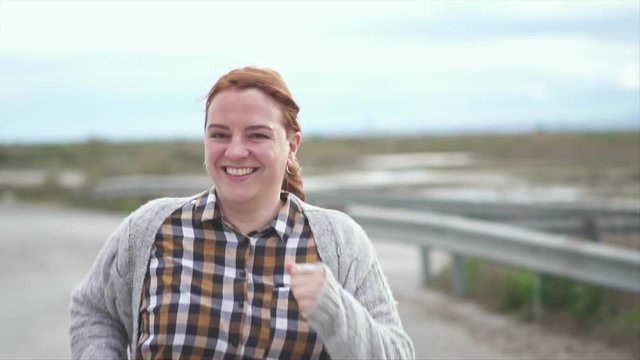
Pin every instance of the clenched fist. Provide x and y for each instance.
(307, 281)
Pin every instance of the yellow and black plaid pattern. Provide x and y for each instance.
(211, 292)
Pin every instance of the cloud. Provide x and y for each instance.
(630, 76)
(398, 65)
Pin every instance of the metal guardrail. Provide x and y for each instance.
(595, 263)
(149, 186)
(575, 219)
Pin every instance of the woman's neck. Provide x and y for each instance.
(250, 216)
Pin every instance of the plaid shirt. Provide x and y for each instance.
(212, 292)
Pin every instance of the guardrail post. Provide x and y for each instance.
(536, 301)
(590, 228)
(459, 276)
(426, 268)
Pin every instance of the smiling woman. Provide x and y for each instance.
(247, 150)
(251, 138)
(245, 269)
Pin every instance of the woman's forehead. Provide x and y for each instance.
(249, 101)
(241, 98)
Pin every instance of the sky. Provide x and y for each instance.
(140, 70)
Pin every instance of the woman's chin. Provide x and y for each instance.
(232, 194)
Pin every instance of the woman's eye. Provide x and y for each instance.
(218, 135)
(258, 136)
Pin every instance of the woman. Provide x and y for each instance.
(246, 269)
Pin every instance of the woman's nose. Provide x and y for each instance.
(236, 149)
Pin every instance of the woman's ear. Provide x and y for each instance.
(294, 143)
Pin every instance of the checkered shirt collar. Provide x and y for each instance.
(283, 223)
(211, 209)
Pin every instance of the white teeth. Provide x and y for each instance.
(239, 171)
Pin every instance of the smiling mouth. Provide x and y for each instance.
(239, 171)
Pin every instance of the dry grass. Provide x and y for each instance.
(609, 150)
(609, 162)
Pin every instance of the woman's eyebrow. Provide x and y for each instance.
(248, 128)
(224, 127)
(259, 127)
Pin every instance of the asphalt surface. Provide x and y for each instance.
(46, 250)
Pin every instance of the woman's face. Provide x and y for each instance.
(246, 147)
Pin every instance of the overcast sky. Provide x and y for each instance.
(140, 70)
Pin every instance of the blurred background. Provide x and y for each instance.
(475, 125)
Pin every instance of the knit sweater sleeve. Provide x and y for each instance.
(356, 315)
(96, 329)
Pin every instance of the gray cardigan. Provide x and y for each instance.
(355, 316)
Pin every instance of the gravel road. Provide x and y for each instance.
(45, 251)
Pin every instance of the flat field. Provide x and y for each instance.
(608, 163)
(581, 151)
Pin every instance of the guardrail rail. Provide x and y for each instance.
(544, 253)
